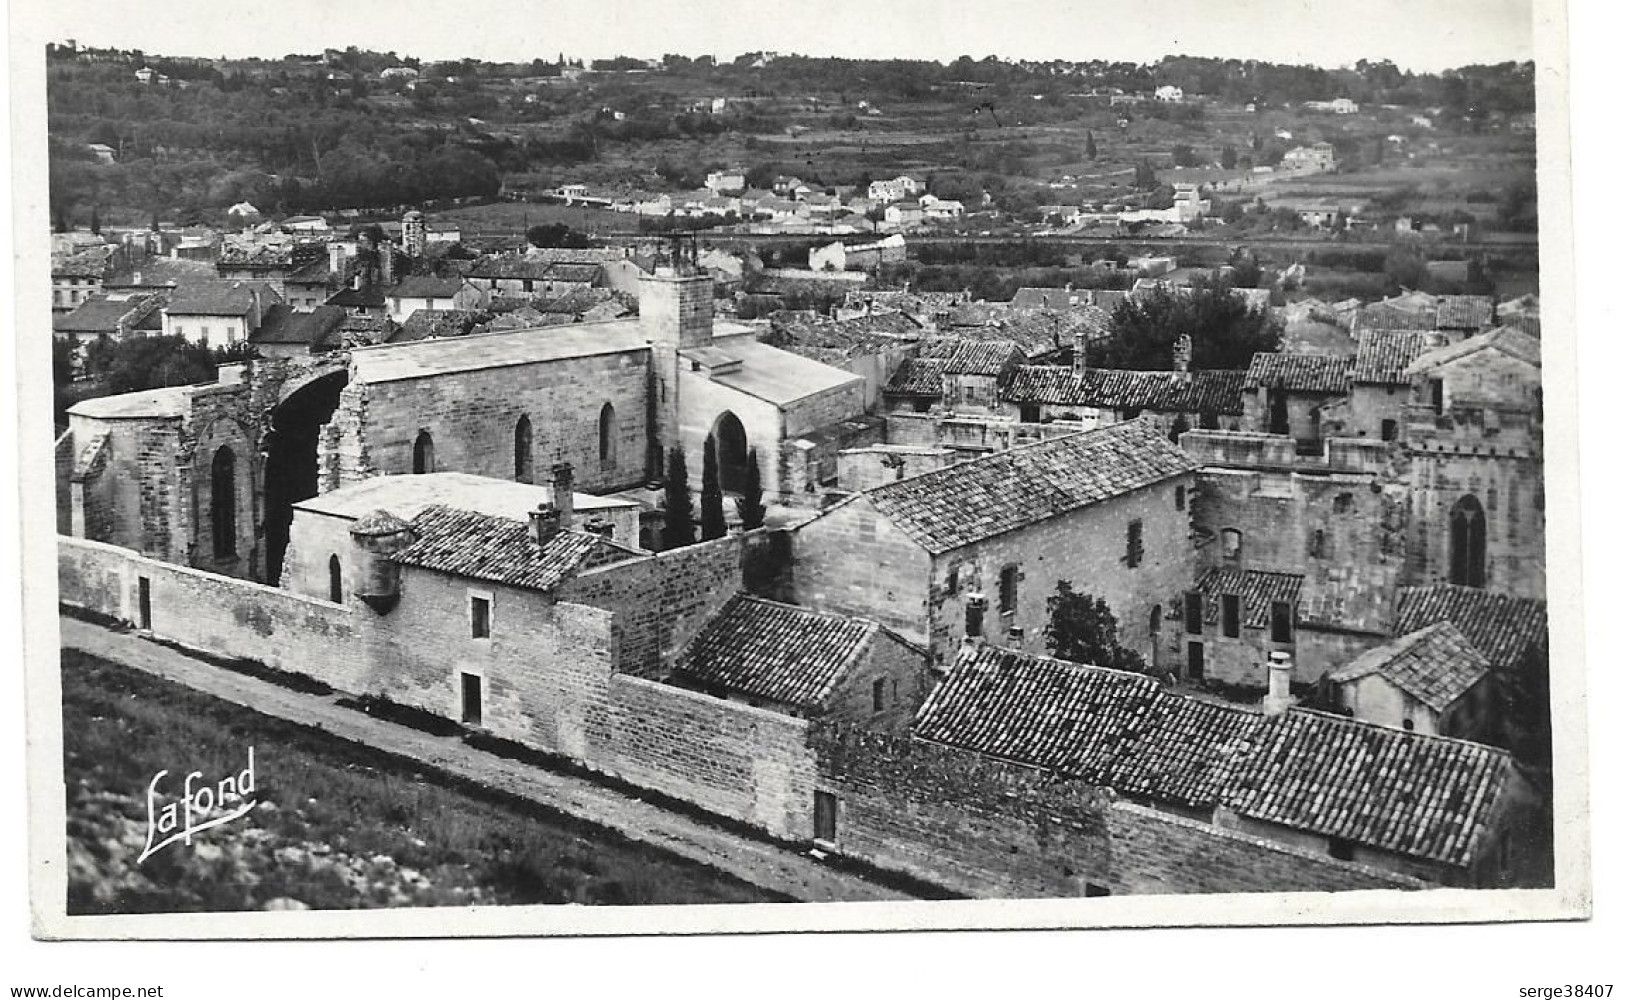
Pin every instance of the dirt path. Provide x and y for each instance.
(758, 862)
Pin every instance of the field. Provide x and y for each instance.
(339, 826)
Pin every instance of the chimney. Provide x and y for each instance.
(1080, 351)
(259, 315)
(544, 523)
(564, 484)
(335, 258)
(1280, 697)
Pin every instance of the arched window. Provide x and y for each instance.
(423, 453)
(732, 452)
(335, 580)
(1467, 542)
(523, 461)
(1156, 619)
(223, 502)
(609, 434)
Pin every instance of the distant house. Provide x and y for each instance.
(1283, 393)
(425, 292)
(941, 209)
(530, 276)
(1318, 157)
(1169, 94)
(286, 332)
(102, 152)
(862, 257)
(806, 663)
(1093, 397)
(218, 314)
(102, 316)
(954, 375)
(905, 213)
(725, 182)
(76, 277)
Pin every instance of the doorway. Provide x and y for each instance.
(473, 703)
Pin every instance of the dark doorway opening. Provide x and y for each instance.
(1467, 542)
(1195, 661)
(824, 817)
(290, 460)
(732, 452)
(473, 707)
(143, 603)
(1280, 423)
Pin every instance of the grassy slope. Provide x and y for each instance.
(339, 825)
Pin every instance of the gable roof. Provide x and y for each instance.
(918, 377)
(1512, 342)
(425, 286)
(1299, 372)
(776, 651)
(1398, 791)
(316, 329)
(971, 357)
(1465, 312)
(426, 323)
(1382, 356)
(220, 298)
(1190, 392)
(1502, 627)
(98, 314)
(1258, 589)
(485, 547)
(1435, 665)
(88, 264)
(972, 501)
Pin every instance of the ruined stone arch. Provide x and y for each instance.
(223, 479)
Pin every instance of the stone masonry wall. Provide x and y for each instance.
(853, 561)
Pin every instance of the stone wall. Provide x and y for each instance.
(852, 561)
(471, 417)
(218, 614)
(865, 468)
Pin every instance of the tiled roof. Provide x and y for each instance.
(159, 271)
(220, 298)
(1050, 298)
(918, 377)
(1504, 628)
(370, 297)
(99, 315)
(1512, 342)
(1258, 589)
(775, 651)
(89, 264)
(1378, 316)
(1465, 312)
(235, 253)
(482, 547)
(834, 341)
(424, 286)
(1383, 355)
(1398, 791)
(1299, 372)
(972, 357)
(966, 503)
(1194, 392)
(316, 329)
(426, 323)
(1435, 665)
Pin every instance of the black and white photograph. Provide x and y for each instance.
(561, 469)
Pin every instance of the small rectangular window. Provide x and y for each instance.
(1136, 543)
(975, 608)
(1008, 578)
(1280, 621)
(824, 817)
(878, 692)
(951, 584)
(1179, 498)
(1230, 612)
(1193, 612)
(479, 617)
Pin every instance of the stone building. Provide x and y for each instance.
(1284, 393)
(1444, 810)
(1474, 442)
(1431, 681)
(1226, 628)
(1176, 401)
(806, 663)
(974, 550)
(953, 375)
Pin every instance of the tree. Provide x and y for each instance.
(95, 220)
(1225, 332)
(1145, 178)
(1083, 629)
(752, 512)
(1089, 148)
(1227, 157)
(1184, 155)
(679, 529)
(713, 522)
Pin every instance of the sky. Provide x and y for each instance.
(1415, 34)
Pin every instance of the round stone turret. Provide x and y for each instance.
(378, 537)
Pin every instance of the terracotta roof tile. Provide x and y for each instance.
(499, 549)
(1299, 372)
(1504, 628)
(1465, 312)
(1258, 589)
(972, 357)
(1435, 665)
(1422, 796)
(1383, 355)
(971, 501)
(918, 377)
(775, 651)
(1193, 392)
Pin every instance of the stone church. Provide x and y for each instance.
(207, 475)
